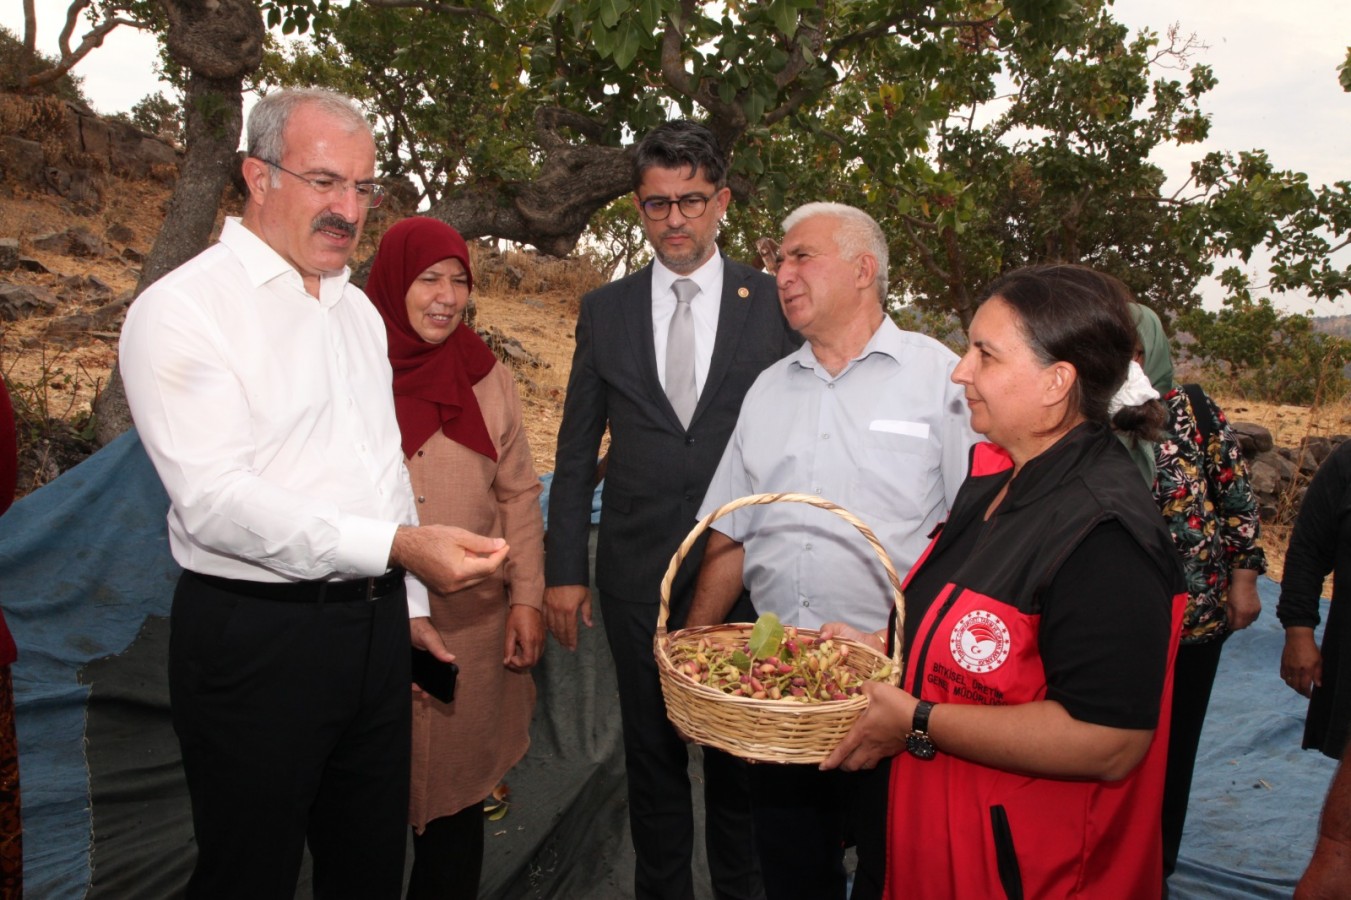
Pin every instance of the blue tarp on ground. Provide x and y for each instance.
(86, 580)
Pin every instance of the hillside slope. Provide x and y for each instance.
(57, 355)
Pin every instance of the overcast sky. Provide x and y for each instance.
(1276, 65)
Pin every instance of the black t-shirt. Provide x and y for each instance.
(1105, 625)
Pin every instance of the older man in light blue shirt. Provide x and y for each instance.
(864, 415)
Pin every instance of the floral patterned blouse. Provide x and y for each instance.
(1210, 510)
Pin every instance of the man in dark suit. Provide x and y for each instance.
(663, 358)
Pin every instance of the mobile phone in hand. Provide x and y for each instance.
(434, 676)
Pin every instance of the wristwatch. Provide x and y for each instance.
(917, 741)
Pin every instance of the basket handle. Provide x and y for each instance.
(786, 497)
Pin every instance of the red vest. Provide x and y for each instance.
(960, 829)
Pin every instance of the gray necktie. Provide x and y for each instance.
(680, 384)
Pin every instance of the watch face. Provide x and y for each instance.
(920, 746)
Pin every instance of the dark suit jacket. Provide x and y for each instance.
(657, 471)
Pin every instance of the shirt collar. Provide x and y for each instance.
(708, 277)
(888, 340)
(263, 264)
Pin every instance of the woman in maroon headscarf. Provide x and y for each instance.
(460, 419)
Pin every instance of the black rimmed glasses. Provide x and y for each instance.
(369, 194)
(692, 206)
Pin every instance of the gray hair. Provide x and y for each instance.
(857, 233)
(270, 115)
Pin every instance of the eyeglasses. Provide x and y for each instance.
(692, 206)
(368, 193)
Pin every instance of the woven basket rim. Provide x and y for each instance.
(820, 725)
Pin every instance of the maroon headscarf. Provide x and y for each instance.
(433, 383)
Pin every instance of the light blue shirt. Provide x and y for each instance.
(887, 439)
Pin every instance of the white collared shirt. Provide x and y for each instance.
(269, 416)
(705, 306)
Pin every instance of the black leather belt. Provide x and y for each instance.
(311, 591)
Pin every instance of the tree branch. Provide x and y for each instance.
(68, 59)
(673, 57)
(433, 7)
(926, 256)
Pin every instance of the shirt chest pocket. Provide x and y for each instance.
(899, 470)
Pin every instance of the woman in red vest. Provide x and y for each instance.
(1029, 732)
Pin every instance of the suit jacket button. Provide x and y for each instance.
(689, 442)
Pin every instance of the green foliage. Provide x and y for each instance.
(67, 87)
(893, 107)
(1344, 72)
(1063, 173)
(1251, 204)
(442, 93)
(617, 242)
(1264, 354)
(158, 115)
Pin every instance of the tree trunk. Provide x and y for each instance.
(552, 210)
(219, 43)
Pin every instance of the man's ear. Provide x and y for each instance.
(257, 176)
(721, 198)
(866, 267)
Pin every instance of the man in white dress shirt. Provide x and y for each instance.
(259, 383)
(864, 415)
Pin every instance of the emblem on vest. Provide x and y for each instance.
(980, 641)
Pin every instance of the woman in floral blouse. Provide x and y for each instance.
(1201, 486)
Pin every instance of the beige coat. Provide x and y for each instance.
(462, 749)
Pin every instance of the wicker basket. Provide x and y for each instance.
(764, 730)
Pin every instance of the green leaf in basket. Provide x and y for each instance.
(766, 636)
(741, 661)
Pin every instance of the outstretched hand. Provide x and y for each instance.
(446, 558)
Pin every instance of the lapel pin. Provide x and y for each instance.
(743, 293)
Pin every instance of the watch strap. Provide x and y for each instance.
(920, 722)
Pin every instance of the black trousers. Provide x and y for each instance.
(294, 721)
(448, 857)
(661, 811)
(1193, 679)
(804, 820)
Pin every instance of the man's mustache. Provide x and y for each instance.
(330, 221)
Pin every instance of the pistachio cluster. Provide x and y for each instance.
(775, 663)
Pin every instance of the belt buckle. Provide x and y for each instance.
(370, 589)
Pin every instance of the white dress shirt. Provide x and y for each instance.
(269, 416)
(705, 307)
(888, 439)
